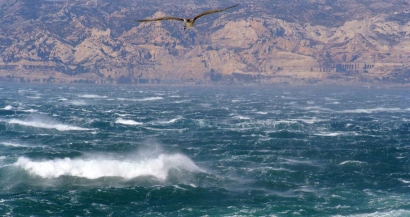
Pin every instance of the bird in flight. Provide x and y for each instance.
(188, 22)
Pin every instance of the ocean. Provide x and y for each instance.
(203, 151)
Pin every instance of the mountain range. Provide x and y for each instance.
(259, 42)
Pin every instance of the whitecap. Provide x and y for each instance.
(328, 134)
(30, 110)
(91, 96)
(404, 181)
(12, 144)
(180, 130)
(122, 115)
(261, 113)
(170, 121)
(241, 117)
(392, 213)
(142, 100)
(298, 161)
(373, 110)
(126, 99)
(309, 121)
(182, 101)
(274, 123)
(78, 102)
(352, 162)
(127, 122)
(7, 107)
(94, 168)
(150, 98)
(45, 124)
(180, 188)
(317, 108)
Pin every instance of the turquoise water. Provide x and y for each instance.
(203, 151)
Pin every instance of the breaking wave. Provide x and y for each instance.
(78, 102)
(94, 168)
(127, 122)
(92, 96)
(142, 100)
(8, 107)
(45, 124)
(12, 144)
(374, 110)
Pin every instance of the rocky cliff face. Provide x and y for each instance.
(257, 42)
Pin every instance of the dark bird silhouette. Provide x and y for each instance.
(189, 23)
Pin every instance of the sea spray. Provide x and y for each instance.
(97, 167)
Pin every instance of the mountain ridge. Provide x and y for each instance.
(294, 42)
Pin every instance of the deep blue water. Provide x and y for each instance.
(203, 151)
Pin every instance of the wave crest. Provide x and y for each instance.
(45, 125)
(127, 122)
(157, 167)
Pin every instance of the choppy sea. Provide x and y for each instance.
(203, 151)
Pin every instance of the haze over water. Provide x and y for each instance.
(195, 151)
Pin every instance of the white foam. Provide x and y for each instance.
(328, 134)
(374, 110)
(240, 117)
(141, 100)
(261, 113)
(150, 98)
(34, 97)
(39, 123)
(182, 101)
(7, 107)
(91, 96)
(309, 121)
(94, 168)
(297, 161)
(317, 108)
(404, 181)
(392, 213)
(30, 110)
(170, 121)
(127, 122)
(78, 102)
(12, 144)
(122, 115)
(274, 123)
(352, 162)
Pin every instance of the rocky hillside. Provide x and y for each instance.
(262, 41)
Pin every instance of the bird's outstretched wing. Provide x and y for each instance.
(159, 19)
(213, 11)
